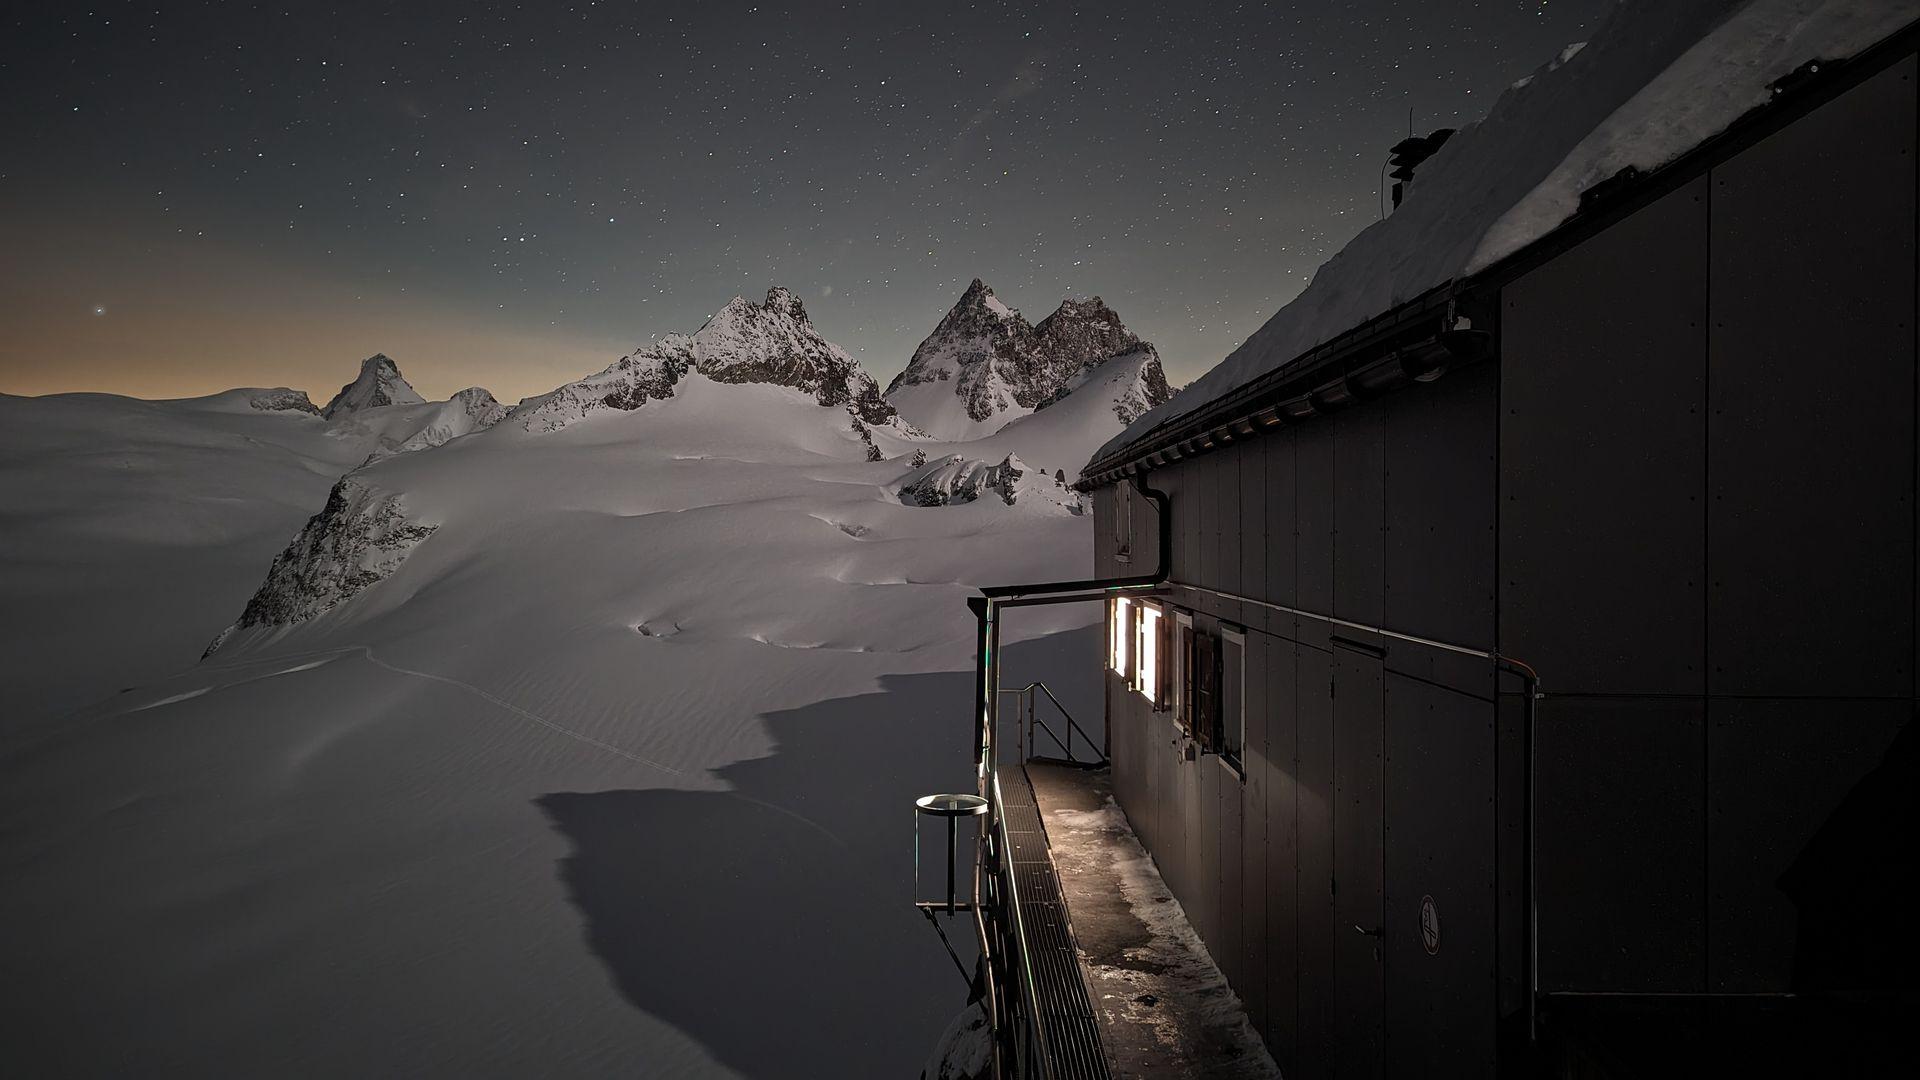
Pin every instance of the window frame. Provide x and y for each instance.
(1147, 644)
(1205, 662)
(1180, 662)
(1232, 694)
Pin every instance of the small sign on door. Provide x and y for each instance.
(1430, 925)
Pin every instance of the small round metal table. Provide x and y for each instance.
(953, 808)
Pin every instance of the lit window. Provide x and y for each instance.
(1117, 637)
(1146, 675)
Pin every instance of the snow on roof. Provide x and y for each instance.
(1656, 79)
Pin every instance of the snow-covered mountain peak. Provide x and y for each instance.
(979, 297)
(379, 383)
(744, 342)
(477, 401)
(780, 298)
(985, 365)
(977, 330)
(774, 342)
(1079, 336)
(1089, 309)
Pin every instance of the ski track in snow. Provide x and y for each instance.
(189, 695)
(329, 655)
(486, 695)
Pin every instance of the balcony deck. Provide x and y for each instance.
(1161, 1006)
(1063, 1011)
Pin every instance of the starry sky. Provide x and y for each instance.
(200, 196)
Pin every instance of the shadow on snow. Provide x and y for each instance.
(773, 922)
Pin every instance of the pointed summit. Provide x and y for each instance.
(783, 300)
(775, 343)
(379, 383)
(979, 296)
(965, 379)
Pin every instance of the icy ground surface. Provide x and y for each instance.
(1165, 1009)
(1657, 78)
(610, 773)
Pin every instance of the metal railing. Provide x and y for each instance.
(1021, 1038)
(1029, 722)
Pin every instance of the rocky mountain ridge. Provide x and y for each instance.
(985, 365)
(1081, 352)
(771, 342)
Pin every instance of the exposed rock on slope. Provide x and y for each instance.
(645, 375)
(985, 365)
(1079, 335)
(1132, 380)
(772, 342)
(281, 399)
(958, 479)
(775, 343)
(379, 383)
(359, 539)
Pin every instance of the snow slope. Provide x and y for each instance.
(602, 763)
(1656, 79)
(1066, 430)
(130, 528)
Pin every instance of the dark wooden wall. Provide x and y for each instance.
(1707, 536)
(1341, 729)
(1686, 494)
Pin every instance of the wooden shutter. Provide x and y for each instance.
(1206, 693)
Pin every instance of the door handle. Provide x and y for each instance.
(1375, 932)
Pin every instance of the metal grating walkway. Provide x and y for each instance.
(1064, 1010)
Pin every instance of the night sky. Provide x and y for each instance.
(199, 196)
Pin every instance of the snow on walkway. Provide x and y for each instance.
(1164, 1008)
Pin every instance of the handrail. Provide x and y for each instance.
(1033, 720)
(1072, 724)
